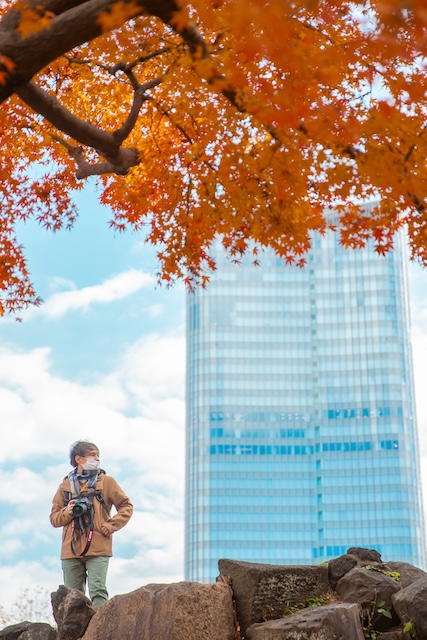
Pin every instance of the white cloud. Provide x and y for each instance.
(114, 288)
(154, 367)
(155, 310)
(58, 283)
(136, 416)
(16, 579)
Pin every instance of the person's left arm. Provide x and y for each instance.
(115, 495)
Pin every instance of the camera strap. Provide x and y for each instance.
(88, 539)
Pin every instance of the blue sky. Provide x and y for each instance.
(104, 359)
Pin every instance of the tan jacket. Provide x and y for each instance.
(100, 544)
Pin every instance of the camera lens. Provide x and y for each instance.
(79, 509)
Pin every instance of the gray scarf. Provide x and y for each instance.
(75, 477)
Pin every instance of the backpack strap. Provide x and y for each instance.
(98, 496)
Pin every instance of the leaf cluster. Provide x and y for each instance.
(238, 118)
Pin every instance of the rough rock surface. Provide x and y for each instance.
(411, 605)
(179, 611)
(395, 634)
(365, 587)
(339, 567)
(72, 612)
(408, 573)
(330, 622)
(370, 555)
(262, 591)
(28, 631)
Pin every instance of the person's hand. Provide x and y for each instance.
(105, 532)
(70, 506)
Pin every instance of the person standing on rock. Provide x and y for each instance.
(82, 506)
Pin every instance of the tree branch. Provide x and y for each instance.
(139, 98)
(126, 159)
(55, 113)
(166, 113)
(76, 24)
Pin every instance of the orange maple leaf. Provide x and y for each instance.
(8, 65)
(7, 62)
(34, 20)
(120, 12)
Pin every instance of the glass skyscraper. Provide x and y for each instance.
(301, 425)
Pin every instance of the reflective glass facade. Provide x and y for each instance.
(301, 426)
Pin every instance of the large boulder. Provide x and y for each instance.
(410, 604)
(28, 631)
(373, 590)
(72, 612)
(179, 611)
(329, 622)
(263, 591)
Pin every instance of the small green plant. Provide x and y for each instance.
(318, 601)
(391, 574)
(409, 628)
(384, 612)
(289, 609)
(315, 601)
(370, 615)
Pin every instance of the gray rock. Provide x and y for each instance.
(395, 634)
(329, 622)
(371, 555)
(262, 591)
(72, 612)
(408, 573)
(410, 604)
(369, 588)
(28, 631)
(339, 567)
(180, 611)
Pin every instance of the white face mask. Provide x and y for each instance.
(91, 464)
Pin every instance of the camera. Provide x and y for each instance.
(81, 506)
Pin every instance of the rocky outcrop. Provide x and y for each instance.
(181, 611)
(394, 635)
(338, 567)
(356, 596)
(407, 572)
(373, 590)
(359, 577)
(261, 590)
(72, 612)
(330, 622)
(366, 555)
(28, 631)
(411, 605)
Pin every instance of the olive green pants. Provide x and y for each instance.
(93, 570)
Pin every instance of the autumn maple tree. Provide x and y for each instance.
(244, 118)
